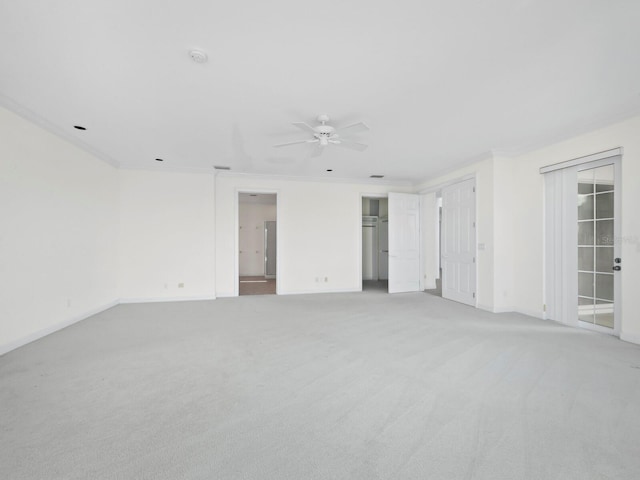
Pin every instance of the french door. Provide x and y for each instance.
(598, 251)
(583, 260)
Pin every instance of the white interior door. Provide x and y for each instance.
(404, 242)
(459, 242)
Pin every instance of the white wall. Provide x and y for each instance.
(58, 218)
(167, 236)
(510, 222)
(251, 236)
(319, 232)
(527, 201)
(504, 247)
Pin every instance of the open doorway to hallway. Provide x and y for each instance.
(257, 243)
(375, 244)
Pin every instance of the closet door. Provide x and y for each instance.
(404, 242)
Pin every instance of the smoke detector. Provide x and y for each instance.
(198, 56)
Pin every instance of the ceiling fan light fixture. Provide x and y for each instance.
(325, 134)
(198, 56)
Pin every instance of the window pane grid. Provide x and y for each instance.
(595, 232)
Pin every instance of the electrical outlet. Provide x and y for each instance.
(181, 285)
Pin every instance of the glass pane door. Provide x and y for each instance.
(596, 246)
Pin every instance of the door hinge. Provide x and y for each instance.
(474, 189)
(474, 294)
(474, 224)
(474, 259)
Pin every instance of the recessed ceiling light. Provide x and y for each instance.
(78, 127)
(376, 176)
(221, 167)
(159, 160)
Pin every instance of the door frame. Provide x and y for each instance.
(437, 189)
(236, 243)
(359, 236)
(562, 273)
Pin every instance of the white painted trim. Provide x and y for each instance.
(236, 245)
(32, 337)
(359, 239)
(225, 295)
(630, 337)
(501, 309)
(308, 292)
(328, 179)
(486, 308)
(162, 168)
(440, 186)
(54, 129)
(531, 313)
(614, 152)
(164, 299)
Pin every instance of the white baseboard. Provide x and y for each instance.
(630, 337)
(308, 292)
(486, 308)
(226, 295)
(523, 311)
(531, 313)
(7, 347)
(165, 299)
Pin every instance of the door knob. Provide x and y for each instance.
(617, 260)
(617, 268)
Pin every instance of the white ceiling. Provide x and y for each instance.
(440, 83)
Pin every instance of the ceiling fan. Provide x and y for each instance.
(324, 134)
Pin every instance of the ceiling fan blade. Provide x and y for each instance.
(304, 126)
(295, 143)
(354, 128)
(349, 144)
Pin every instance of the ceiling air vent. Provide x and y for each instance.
(221, 167)
(376, 176)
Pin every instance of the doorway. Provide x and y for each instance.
(583, 261)
(375, 244)
(257, 243)
(458, 242)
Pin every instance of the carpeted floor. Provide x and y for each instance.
(336, 386)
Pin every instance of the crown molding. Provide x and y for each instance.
(299, 178)
(54, 129)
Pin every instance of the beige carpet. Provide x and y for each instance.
(340, 386)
